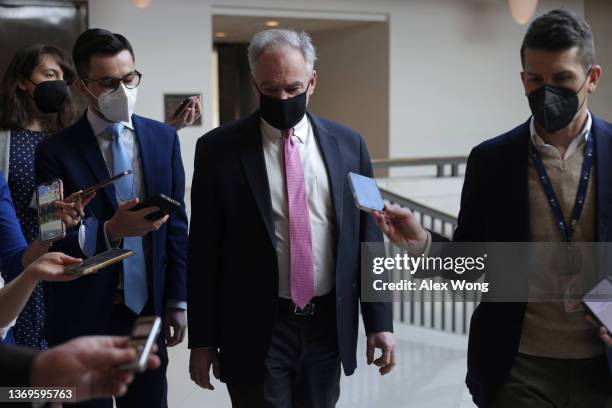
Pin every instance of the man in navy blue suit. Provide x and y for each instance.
(107, 140)
(537, 182)
(274, 248)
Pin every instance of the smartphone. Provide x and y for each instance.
(182, 106)
(105, 183)
(97, 262)
(143, 336)
(50, 224)
(366, 193)
(599, 302)
(166, 206)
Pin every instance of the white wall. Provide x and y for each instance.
(172, 42)
(598, 13)
(454, 65)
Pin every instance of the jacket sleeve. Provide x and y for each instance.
(16, 366)
(176, 239)
(204, 255)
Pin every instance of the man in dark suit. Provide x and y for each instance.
(537, 354)
(107, 140)
(274, 249)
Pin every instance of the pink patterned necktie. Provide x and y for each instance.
(300, 239)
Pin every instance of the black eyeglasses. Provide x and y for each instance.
(130, 81)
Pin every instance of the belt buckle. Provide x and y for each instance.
(308, 310)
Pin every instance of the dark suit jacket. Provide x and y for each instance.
(495, 208)
(233, 271)
(16, 366)
(83, 306)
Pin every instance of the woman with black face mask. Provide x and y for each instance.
(35, 102)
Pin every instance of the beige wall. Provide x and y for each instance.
(598, 13)
(453, 64)
(353, 81)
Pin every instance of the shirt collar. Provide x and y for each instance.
(541, 145)
(300, 131)
(99, 124)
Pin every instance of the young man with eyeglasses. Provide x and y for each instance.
(107, 140)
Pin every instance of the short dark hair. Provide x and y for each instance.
(560, 30)
(97, 41)
(15, 104)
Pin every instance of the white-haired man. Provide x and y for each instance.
(274, 252)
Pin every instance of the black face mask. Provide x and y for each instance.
(49, 96)
(283, 114)
(554, 107)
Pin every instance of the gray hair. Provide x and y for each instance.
(268, 39)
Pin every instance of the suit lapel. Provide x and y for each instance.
(91, 154)
(603, 162)
(147, 152)
(253, 161)
(328, 143)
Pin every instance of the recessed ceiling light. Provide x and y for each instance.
(142, 3)
(220, 34)
(272, 23)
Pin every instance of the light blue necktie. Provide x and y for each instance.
(134, 267)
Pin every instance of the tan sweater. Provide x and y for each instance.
(548, 329)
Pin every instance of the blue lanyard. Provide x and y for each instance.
(585, 174)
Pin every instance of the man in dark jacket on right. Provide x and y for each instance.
(547, 180)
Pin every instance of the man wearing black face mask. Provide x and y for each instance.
(547, 180)
(273, 275)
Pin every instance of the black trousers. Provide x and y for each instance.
(150, 388)
(302, 367)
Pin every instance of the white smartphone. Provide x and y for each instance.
(50, 224)
(366, 193)
(142, 339)
(599, 302)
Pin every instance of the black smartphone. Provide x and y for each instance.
(182, 106)
(142, 339)
(166, 206)
(97, 262)
(105, 183)
(50, 225)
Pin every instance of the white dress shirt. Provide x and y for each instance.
(573, 146)
(319, 205)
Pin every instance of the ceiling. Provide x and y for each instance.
(240, 29)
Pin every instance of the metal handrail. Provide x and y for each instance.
(418, 161)
(440, 162)
(422, 209)
(449, 315)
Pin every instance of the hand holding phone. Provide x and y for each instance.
(129, 223)
(142, 340)
(182, 106)
(97, 262)
(165, 204)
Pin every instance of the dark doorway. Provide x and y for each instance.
(25, 22)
